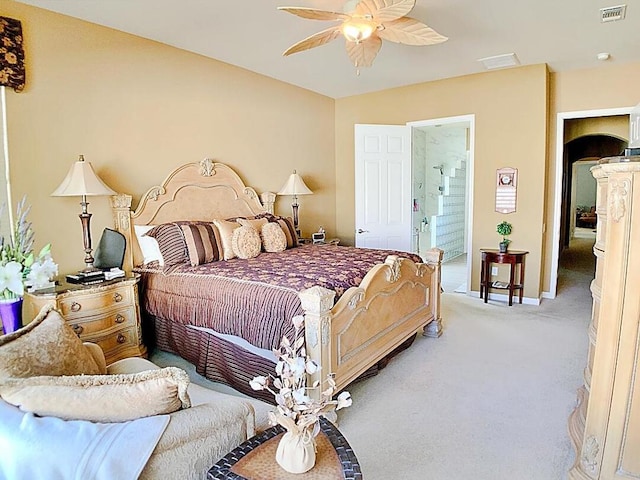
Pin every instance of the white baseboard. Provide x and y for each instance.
(501, 297)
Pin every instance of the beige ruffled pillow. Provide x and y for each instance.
(246, 242)
(100, 398)
(45, 346)
(273, 238)
(226, 229)
(256, 223)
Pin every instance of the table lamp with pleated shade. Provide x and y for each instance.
(82, 181)
(295, 186)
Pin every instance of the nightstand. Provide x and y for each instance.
(107, 313)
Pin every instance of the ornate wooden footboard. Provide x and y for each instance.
(368, 322)
(393, 301)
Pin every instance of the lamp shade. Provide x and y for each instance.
(294, 186)
(82, 180)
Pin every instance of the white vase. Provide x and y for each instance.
(296, 452)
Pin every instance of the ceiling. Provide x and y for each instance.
(252, 34)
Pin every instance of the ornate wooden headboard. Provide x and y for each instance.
(195, 191)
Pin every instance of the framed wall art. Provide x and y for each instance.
(506, 189)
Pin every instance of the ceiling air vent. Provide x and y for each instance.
(612, 14)
(500, 61)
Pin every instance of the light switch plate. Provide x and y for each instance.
(494, 271)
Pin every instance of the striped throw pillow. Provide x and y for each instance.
(171, 242)
(203, 243)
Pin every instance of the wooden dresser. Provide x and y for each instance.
(107, 314)
(605, 425)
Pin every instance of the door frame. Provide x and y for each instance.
(471, 119)
(559, 174)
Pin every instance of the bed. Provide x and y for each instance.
(350, 327)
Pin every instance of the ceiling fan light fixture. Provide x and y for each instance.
(358, 29)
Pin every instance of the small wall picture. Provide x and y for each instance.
(506, 189)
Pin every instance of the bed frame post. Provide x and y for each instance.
(317, 303)
(433, 257)
(268, 200)
(121, 206)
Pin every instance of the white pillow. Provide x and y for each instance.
(89, 450)
(148, 245)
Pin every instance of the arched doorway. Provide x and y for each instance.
(587, 147)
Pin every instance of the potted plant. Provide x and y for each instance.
(504, 228)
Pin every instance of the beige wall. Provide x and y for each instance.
(511, 127)
(137, 109)
(610, 86)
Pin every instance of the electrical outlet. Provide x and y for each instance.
(494, 271)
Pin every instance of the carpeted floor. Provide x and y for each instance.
(488, 400)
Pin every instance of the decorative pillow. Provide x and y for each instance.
(273, 238)
(246, 242)
(46, 346)
(100, 398)
(256, 223)
(203, 243)
(148, 245)
(171, 242)
(226, 229)
(286, 223)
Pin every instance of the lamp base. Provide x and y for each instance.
(294, 207)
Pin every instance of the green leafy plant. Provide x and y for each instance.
(504, 228)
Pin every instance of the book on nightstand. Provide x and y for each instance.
(96, 276)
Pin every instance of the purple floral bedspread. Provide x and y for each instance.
(255, 298)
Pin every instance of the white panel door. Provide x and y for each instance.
(383, 186)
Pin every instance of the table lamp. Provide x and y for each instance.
(83, 181)
(295, 186)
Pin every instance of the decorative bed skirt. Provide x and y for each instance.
(222, 361)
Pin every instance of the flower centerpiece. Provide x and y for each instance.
(298, 410)
(20, 268)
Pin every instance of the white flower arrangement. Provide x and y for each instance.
(296, 410)
(19, 267)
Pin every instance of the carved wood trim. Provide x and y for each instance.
(618, 198)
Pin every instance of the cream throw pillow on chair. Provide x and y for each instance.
(100, 398)
(46, 346)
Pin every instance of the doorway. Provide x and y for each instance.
(442, 184)
(427, 205)
(562, 203)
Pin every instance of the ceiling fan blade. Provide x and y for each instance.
(410, 32)
(385, 10)
(362, 54)
(314, 40)
(313, 14)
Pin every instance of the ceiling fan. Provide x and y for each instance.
(364, 24)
